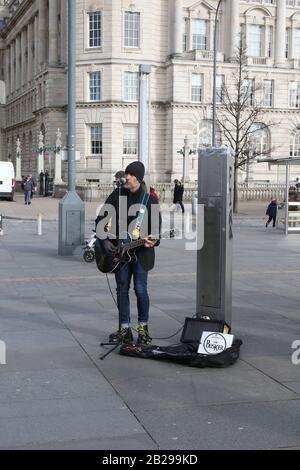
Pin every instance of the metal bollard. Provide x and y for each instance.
(1, 228)
(39, 222)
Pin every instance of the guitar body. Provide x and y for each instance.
(112, 264)
(108, 264)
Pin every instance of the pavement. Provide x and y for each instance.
(55, 393)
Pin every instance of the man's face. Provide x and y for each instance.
(131, 182)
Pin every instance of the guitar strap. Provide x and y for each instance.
(137, 230)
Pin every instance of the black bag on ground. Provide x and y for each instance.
(185, 354)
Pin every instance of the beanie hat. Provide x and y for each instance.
(136, 169)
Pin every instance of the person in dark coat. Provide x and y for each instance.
(29, 188)
(272, 212)
(41, 177)
(47, 176)
(178, 194)
(134, 194)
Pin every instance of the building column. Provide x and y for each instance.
(12, 67)
(177, 27)
(41, 159)
(280, 33)
(53, 32)
(8, 71)
(18, 160)
(42, 38)
(235, 27)
(63, 31)
(24, 57)
(30, 52)
(58, 145)
(36, 45)
(17, 59)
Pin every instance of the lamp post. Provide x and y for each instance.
(214, 110)
(71, 208)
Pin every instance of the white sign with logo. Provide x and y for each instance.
(214, 343)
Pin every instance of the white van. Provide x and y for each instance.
(7, 180)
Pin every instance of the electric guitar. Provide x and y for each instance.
(126, 252)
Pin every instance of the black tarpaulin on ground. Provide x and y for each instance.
(185, 354)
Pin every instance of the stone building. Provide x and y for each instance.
(176, 38)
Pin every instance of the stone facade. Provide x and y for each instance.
(33, 55)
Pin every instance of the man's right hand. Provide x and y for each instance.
(109, 247)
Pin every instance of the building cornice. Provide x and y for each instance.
(18, 14)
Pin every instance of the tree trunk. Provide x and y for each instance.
(236, 192)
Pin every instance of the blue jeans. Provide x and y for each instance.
(27, 197)
(140, 279)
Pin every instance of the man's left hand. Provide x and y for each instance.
(149, 243)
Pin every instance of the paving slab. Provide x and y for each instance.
(271, 425)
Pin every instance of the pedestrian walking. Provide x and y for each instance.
(29, 188)
(178, 195)
(272, 212)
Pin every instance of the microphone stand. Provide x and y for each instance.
(119, 342)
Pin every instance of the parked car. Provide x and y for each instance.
(7, 180)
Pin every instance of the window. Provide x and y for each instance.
(203, 135)
(297, 43)
(258, 140)
(268, 93)
(184, 34)
(294, 94)
(270, 41)
(95, 29)
(96, 140)
(131, 86)
(295, 145)
(200, 39)
(287, 42)
(95, 86)
(130, 140)
(219, 88)
(248, 91)
(197, 85)
(131, 29)
(255, 40)
(243, 42)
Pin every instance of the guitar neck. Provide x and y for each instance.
(133, 245)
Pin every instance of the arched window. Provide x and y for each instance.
(295, 144)
(203, 135)
(259, 140)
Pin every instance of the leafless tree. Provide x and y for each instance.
(241, 116)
